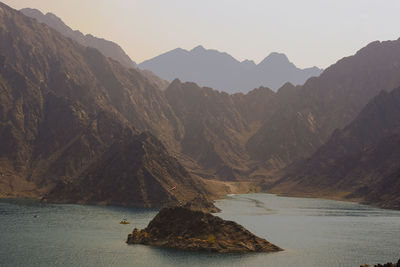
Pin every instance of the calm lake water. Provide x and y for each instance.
(313, 232)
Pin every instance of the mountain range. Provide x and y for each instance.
(77, 126)
(221, 71)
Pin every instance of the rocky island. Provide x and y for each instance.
(389, 264)
(195, 230)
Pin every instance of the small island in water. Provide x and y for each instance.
(195, 230)
(389, 264)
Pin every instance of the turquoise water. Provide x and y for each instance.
(313, 232)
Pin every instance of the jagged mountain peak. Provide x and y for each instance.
(275, 56)
(249, 64)
(198, 48)
(276, 60)
(175, 83)
(31, 10)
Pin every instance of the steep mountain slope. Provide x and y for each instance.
(137, 167)
(217, 125)
(221, 71)
(307, 115)
(62, 106)
(360, 161)
(107, 48)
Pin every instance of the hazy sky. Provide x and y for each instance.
(309, 32)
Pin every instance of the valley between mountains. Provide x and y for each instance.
(81, 123)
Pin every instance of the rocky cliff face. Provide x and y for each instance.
(217, 125)
(362, 160)
(212, 125)
(185, 229)
(136, 170)
(201, 203)
(63, 107)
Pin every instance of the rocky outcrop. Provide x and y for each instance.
(201, 203)
(185, 229)
(389, 264)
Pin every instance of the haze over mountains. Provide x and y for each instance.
(205, 67)
(76, 126)
(107, 48)
(221, 71)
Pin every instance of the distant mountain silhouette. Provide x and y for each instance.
(107, 48)
(221, 71)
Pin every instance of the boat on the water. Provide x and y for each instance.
(124, 221)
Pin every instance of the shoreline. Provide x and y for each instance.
(227, 188)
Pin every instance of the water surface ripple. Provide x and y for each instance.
(313, 232)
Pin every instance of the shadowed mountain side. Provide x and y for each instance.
(139, 169)
(157, 81)
(63, 105)
(107, 48)
(361, 161)
(256, 105)
(307, 115)
(221, 71)
(217, 125)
